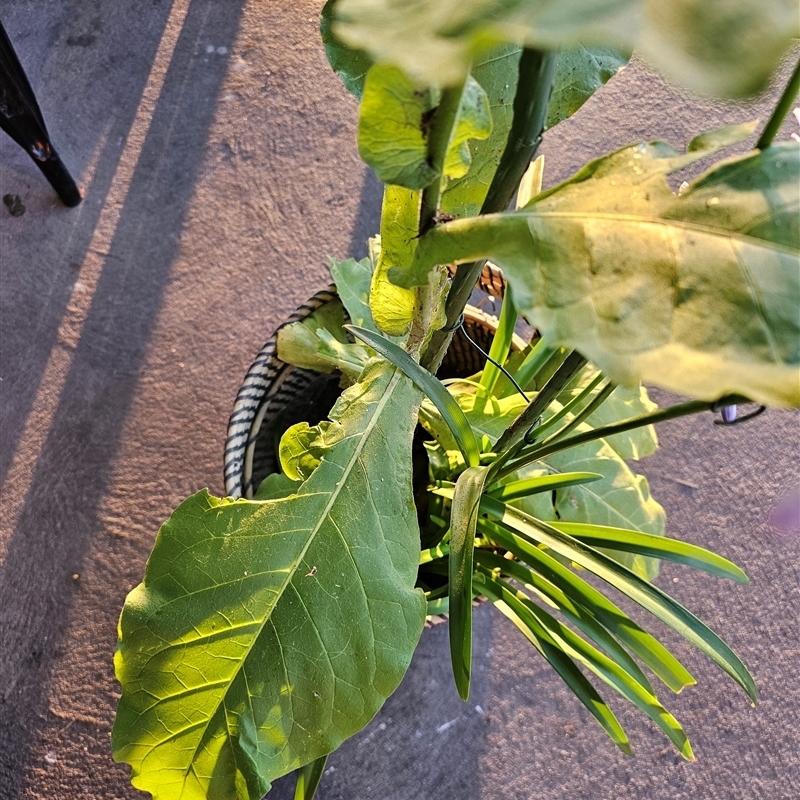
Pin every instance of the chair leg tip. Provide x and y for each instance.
(71, 199)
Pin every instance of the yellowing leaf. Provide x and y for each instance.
(474, 121)
(391, 138)
(725, 46)
(698, 293)
(393, 306)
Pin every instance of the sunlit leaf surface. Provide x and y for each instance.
(697, 293)
(266, 633)
(723, 47)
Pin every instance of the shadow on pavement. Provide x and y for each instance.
(72, 469)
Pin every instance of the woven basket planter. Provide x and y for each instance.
(276, 395)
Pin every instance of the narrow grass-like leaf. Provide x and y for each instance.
(308, 778)
(645, 594)
(601, 665)
(590, 408)
(544, 483)
(515, 435)
(463, 520)
(431, 386)
(434, 553)
(539, 355)
(569, 407)
(507, 603)
(622, 403)
(654, 546)
(639, 641)
(580, 616)
(438, 607)
(501, 345)
(541, 451)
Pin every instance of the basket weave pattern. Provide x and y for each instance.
(272, 388)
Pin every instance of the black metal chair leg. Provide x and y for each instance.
(22, 120)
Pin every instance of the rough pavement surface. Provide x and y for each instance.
(216, 150)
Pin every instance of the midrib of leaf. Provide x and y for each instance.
(667, 222)
(334, 494)
(508, 54)
(732, 239)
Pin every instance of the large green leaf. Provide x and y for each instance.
(299, 342)
(266, 633)
(724, 47)
(697, 293)
(473, 122)
(580, 72)
(393, 128)
(496, 72)
(351, 64)
(318, 341)
(353, 279)
(727, 46)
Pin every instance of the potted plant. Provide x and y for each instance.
(269, 629)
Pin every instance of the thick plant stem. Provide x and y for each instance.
(534, 86)
(537, 69)
(781, 110)
(457, 298)
(442, 124)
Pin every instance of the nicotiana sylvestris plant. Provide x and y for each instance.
(267, 631)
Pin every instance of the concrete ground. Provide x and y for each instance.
(217, 154)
